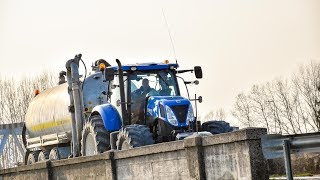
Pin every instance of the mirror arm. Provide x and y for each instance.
(183, 71)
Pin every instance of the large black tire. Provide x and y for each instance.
(134, 135)
(95, 138)
(32, 157)
(43, 155)
(216, 127)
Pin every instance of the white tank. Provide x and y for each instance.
(48, 112)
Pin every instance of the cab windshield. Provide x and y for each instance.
(159, 83)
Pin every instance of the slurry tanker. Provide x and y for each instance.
(115, 107)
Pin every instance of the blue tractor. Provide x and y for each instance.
(144, 107)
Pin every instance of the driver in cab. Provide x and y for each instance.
(138, 100)
(144, 89)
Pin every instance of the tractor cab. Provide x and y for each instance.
(145, 84)
(148, 94)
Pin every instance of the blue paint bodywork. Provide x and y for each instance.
(154, 103)
(110, 116)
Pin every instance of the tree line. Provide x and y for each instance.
(15, 95)
(284, 105)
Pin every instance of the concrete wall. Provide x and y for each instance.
(235, 155)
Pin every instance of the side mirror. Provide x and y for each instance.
(109, 74)
(200, 99)
(198, 72)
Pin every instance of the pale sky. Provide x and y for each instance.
(237, 43)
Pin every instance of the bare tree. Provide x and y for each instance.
(2, 103)
(243, 110)
(260, 102)
(283, 105)
(219, 115)
(287, 99)
(306, 82)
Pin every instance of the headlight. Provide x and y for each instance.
(171, 117)
(190, 117)
(133, 68)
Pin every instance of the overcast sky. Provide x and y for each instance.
(237, 43)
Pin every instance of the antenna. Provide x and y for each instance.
(172, 44)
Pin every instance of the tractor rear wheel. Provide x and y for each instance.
(216, 127)
(134, 135)
(95, 138)
(33, 157)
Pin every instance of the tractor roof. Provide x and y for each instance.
(147, 66)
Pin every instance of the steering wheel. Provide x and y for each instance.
(153, 92)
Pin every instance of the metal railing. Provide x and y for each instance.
(11, 148)
(277, 145)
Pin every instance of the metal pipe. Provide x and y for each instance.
(76, 102)
(196, 118)
(129, 99)
(122, 95)
(287, 159)
(71, 110)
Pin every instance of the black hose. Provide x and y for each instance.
(24, 138)
(85, 72)
(122, 95)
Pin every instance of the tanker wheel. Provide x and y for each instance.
(43, 155)
(216, 127)
(95, 138)
(54, 154)
(33, 157)
(134, 135)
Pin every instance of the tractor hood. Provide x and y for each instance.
(175, 110)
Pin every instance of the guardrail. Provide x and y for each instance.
(277, 145)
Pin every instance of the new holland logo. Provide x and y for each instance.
(178, 101)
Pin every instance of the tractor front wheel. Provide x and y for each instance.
(134, 135)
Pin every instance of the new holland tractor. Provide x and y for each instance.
(115, 107)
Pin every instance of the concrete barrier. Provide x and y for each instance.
(235, 155)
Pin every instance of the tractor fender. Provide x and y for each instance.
(110, 116)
